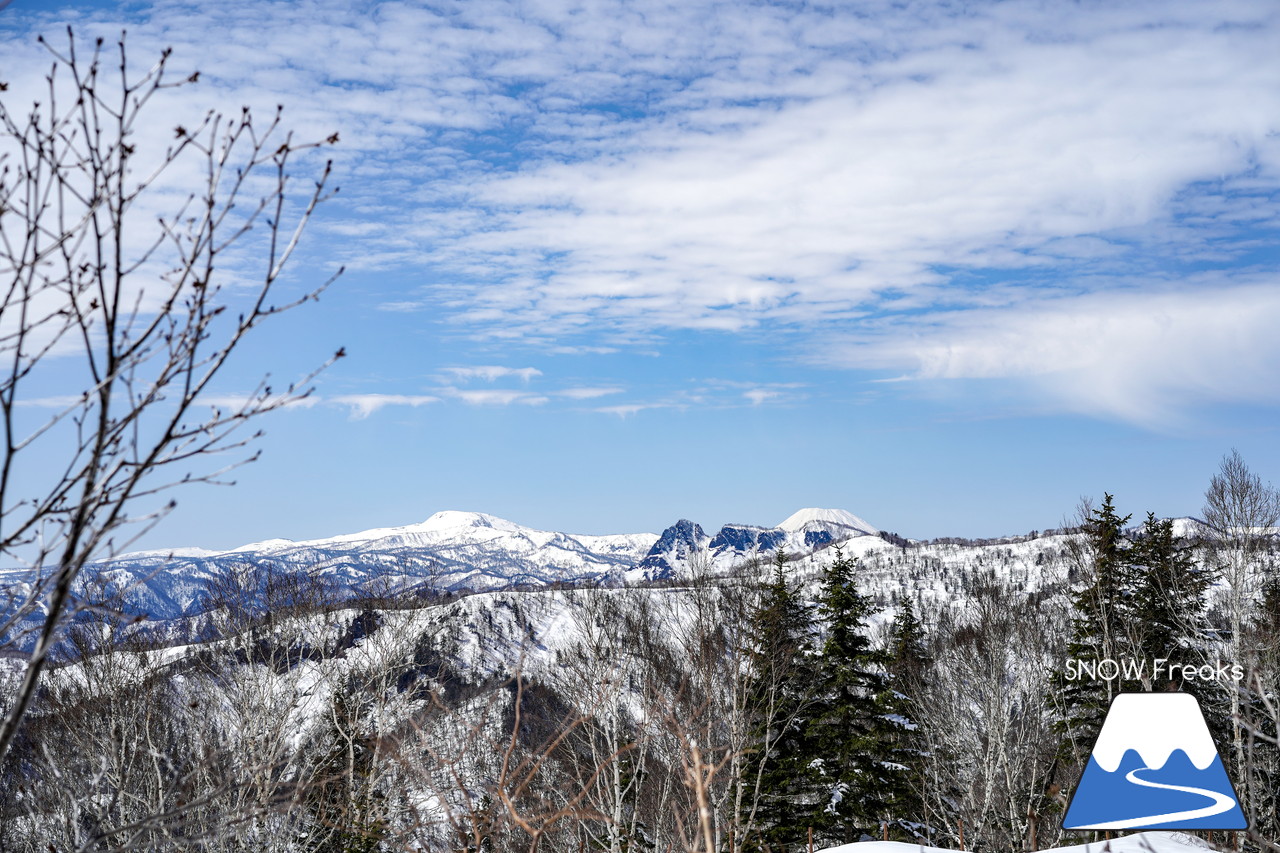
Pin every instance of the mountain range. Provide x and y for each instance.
(450, 551)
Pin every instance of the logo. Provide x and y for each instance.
(1159, 669)
(1154, 767)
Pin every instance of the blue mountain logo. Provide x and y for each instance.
(1155, 767)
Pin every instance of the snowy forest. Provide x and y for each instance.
(919, 693)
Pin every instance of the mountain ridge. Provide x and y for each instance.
(452, 550)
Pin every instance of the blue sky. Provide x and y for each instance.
(947, 266)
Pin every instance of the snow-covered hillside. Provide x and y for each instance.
(472, 551)
(643, 660)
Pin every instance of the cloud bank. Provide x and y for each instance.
(1079, 199)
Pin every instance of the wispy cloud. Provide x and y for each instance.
(922, 183)
(588, 393)
(57, 401)
(364, 405)
(492, 373)
(406, 307)
(1146, 357)
(626, 410)
(711, 394)
(497, 397)
(761, 395)
(973, 158)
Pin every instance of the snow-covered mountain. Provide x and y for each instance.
(681, 546)
(449, 551)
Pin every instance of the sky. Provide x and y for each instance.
(949, 266)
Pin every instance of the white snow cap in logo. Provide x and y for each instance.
(1155, 730)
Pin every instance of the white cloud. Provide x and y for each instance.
(405, 307)
(1143, 357)
(588, 393)
(626, 410)
(492, 372)
(950, 192)
(364, 405)
(57, 401)
(761, 395)
(1017, 154)
(497, 397)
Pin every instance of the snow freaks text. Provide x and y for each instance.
(1132, 669)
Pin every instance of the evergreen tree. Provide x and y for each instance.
(1268, 621)
(781, 652)
(1169, 599)
(856, 731)
(908, 664)
(907, 655)
(1170, 620)
(1100, 627)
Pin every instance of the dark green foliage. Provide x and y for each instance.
(908, 667)
(781, 689)
(1104, 607)
(1144, 601)
(834, 741)
(858, 725)
(1100, 628)
(1169, 598)
(907, 656)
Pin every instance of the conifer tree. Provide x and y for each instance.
(1169, 598)
(777, 771)
(1100, 627)
(908, 664)
(907, 655)
(1169, 621)
(855, 734)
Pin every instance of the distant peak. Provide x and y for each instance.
(453, 518)
(684, 530)
(825, 517)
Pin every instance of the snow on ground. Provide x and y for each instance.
(1140, 842)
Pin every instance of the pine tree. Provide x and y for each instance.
(856, 732)
(907, 655)
(781, 653)
(908, 662)
(1169, 620)
(1169, 598)
(1100, 627)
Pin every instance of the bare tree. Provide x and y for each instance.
(121, 326)
(985, 721)
(1240, 517)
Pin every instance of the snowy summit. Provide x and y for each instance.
(804, 518)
